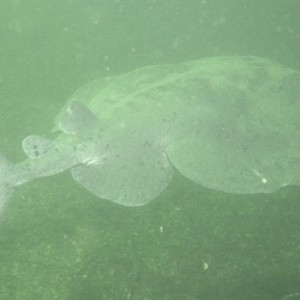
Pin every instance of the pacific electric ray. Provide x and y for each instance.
(227, 123)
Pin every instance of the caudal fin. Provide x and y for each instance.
(6, 188)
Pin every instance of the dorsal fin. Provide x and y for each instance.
(36, 146)
(78, 120)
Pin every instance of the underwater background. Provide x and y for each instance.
(58, 241)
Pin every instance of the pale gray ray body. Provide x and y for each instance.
(227, 123)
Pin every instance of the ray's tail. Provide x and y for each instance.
(6, 181)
